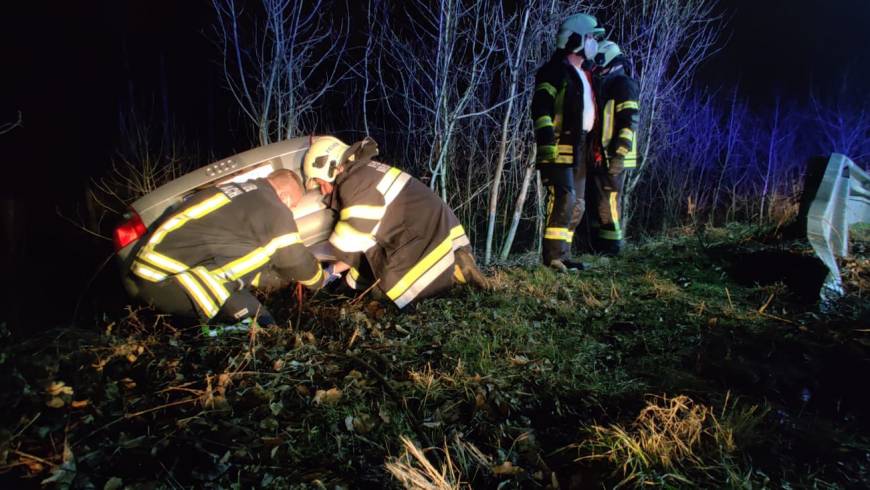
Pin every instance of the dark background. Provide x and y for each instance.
(72, 68)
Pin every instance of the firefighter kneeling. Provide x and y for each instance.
(389, 223)
(202, 258)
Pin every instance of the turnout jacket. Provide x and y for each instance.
(619, 117)
(223, 237)
(557, 112)
(406, 232)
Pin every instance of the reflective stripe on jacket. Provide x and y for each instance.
(221, 235)
(406, 232)
(620, 117)
(557, 112)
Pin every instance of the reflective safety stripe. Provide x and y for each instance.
(256, 258)
(348, 239)
(626, 133)
(193, 212)
(163, 262)
(315, 279)
(198, 294)
(622, 151)
(543, 122)
(558, 234)
(422, 274)
(628, 104)
(147, 273)
(460, 239)
(388, 179)
(607, 124)
(610, 234)
(546, 153)
(566, 154)
(547, 87)
(396, 188)
(351, 278)
(614, 209)
(256, 281)
(217, 289)
(364, 212)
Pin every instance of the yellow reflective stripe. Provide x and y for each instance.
(193, 212)
(256, 281)
(199, 296)
(354, 273)
(256, 258)
(396, 188)
(420, 268)
(148, 273)
(607, 124)
(628, 104)
(558, 234)
(283, 241)
(614, 210)
(363, 212)
(168, 264)
(314, 279)
(547, 87)
(543, 122)
(388, 179)
(348, 239)
(460, 239)
(566, 149)
(567, 159)
(626, 133)
(622, 151)
(217, 289)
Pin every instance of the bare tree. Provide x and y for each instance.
(280, 62)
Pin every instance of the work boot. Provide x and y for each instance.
(567, 265)
(470, 272)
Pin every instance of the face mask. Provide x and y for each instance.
(590, 48)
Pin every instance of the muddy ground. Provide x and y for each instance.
(696, 360)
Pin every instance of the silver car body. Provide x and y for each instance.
(314, 220)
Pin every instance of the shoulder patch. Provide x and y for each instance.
(231, 190)
(248, 186)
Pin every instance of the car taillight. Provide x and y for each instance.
(129, 231)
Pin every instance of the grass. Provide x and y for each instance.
(655, 368)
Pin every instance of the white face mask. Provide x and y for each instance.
(590, 48)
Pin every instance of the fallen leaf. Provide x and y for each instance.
(327, 397)
(80, 403)
(506, 468)
(519, 360)
(114, 483)
(303, 390)
(278, 365)
(59, 388)
(55, 402)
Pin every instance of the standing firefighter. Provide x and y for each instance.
(410, 239)
(619, 95)
(563, 110)
(201, 259)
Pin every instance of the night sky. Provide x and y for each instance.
(71, 67)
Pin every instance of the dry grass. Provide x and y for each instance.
(414, 470)
(673, 438)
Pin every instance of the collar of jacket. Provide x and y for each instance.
(362, 153)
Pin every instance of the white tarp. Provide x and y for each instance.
(843, 198)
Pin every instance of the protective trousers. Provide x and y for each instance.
(566, 201)
(606, 194)
(171, 297)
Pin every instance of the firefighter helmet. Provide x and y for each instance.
(607, 52)
(322, 159)
(577, 27)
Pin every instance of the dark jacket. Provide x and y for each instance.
(619, 116)
(226, 234)
(557, 112)
(405, 231)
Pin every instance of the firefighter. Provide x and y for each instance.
(618, 97)
(202, 258)
(390, 223)
(563, 111)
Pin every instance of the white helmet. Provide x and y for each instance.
(322, 159)
(581, 25)
(607, 52)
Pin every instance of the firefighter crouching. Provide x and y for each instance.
(389, 223)
(202, 258)
(618, 96)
